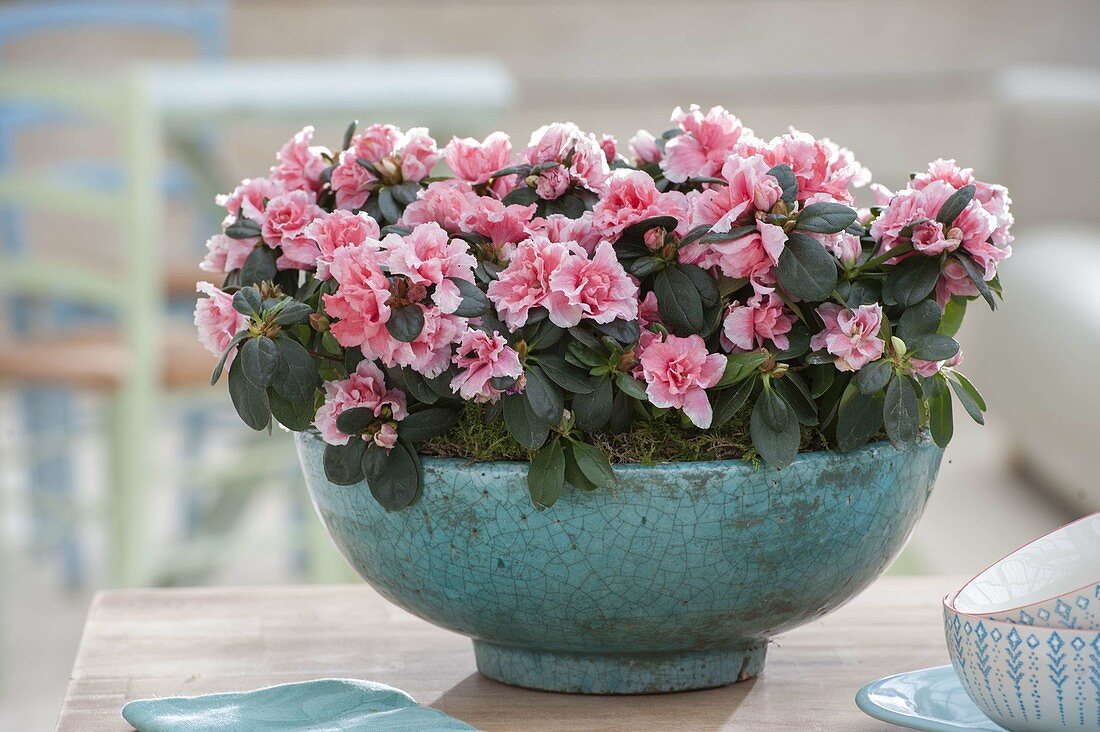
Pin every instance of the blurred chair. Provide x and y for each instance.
(94, 358)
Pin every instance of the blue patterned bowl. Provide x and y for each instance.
(674, 579)
(1026, 678)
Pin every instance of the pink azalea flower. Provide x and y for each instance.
(677, 371)
(365, 388)
(560, 228)
(299, 164)
(820, 166)
(750, 189)
(216, 320)
(752, 255)
(954, 281)
(525, 283)
(554, 143)
(552, 183)
(375, 142)
(481, 358)
(430, 353)
(846, 247)
(645, 149)
(761, 318)
(927, 369)
(551, 143)
(632, 196)
(248, 198)
(285, 220)
(503, 225)
(225, 254)
(609, 145)
(589, 168)
(351, 182)
(429, 257)
(850, 335)
(418, 154)
(444, 202)
(597, 288)
(707, 141)
(361, 303)
(474, 161)
(339, 229)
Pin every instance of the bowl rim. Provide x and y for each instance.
(1041, 537)
(1087, 632)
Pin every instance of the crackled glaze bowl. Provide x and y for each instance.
(674, 579)
(1053, 581)
(1026, 678)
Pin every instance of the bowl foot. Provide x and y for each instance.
(618, 673)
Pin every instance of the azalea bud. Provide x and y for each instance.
(531, 181)
(898, 346)
(319, 322)
(417, 293)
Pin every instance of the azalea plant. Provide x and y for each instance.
(569, 291)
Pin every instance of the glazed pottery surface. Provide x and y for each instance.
(673, 579)
(1053, 581)
(931, 699)
(1027, 678)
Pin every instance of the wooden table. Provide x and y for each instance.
(143, 643)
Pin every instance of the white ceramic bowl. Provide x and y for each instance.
(1053, 581)
(1026, 678)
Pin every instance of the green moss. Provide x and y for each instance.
(663, 439)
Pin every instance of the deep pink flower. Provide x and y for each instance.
(474, 161)
(632, 196)
(761, 318)
(351, 182)
(677, 371)
(285, 220)
(429, 257)
(707, 141)
(480, 358)
(749, 189)
(216, 320)
(598, 289)
(339, 229)
(444, 202)
(560, 228)
(609, 145)
(360, 304)
(299, 164)
(645, 149)
(850, 335)
(225, 254)
(525, 283)
(365, 388)
(752, 255)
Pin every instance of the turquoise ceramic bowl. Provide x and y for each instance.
(674, 579)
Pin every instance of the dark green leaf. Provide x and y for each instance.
(623, 331)
(873, 377)
(523, 170)
(901, 413)
(860, 417)
(940, 419)
(406, 322)
(737, 232)
(240, 336)
(259, 266)
(405, 193)
(954, 205)
(968, 396)
(704, 283)
(296, 375)
(399, 484)
(247, 301)
(294, 313)
(622, 412)
(740, 366)
(522, 422)
(355, 421)
(825, 218)
(388, 207)
(953, 314)
(474, 302)
(521, 196)
(787, 181)
(243, 228)
(574, 476)
(593, 463)
(593, 410)
(919, 320)
(544, 397)
(679, 302)
(729, 401)
(643, 267)
(774, 431)
(911, 281)
(546, 476)
(259, 359)
(344, 463)
(806, 269)
(797, 396)
(374, 460)
(821, 379)
(249, 400)
(975, 276)
(349, 133)
(631, 387)
(864, 292)
(564, 375)
(934, 347)
(638, 229)
(293, 416)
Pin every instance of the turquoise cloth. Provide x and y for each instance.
(324, 705)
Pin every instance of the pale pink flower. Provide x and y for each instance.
(677, 371)
(882, 194)
(351, 182)
(481, 358)
(846, 247)
(365, 388)
(632, 196)
(761, 318)
(225, 254)
(444, 202)
(249, 199)
(299, 164)
(361, 303)
(820, 166)
(474, 161)
(561, 228)
(609, 145)
(285, 220)
(645, 149)
(430, 353)
(850, 335)
(648, 311)
(339, 229)
(927, 369)
(552, 183)
(598, 289)
(551, 143)
(429, 257)
(589, 168)
(375, 142)
(418, 153)
(216, 320)
(707, 141)
(525, 283)
(554, 143)
(752, 255)
(750, 189)
(503, 225)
